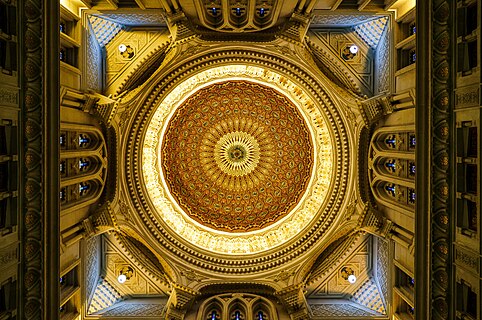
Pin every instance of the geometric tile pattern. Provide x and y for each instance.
(371, 31)
(369, 296)
(340, 20)
(104, 30)
(105, 296)
(383, 63)
(146, 18)
(135, 310)
(92, 265)
(338, 310)
(382, 267)
(94, 62)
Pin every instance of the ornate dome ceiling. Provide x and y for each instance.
(236, 159)
(237, 156)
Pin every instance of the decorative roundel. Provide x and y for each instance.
(237, 156)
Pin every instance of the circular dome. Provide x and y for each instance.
(237, 156)
(199, 160)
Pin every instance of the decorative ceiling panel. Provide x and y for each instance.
(340, 20)
(140, 18)
(371, 31)
(104, 30)
(248, 162)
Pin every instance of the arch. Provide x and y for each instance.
(237, 306)
(266, 307)
(207, 307)
(238, 309)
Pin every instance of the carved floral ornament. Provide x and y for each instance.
(207, 236)
(314, 219)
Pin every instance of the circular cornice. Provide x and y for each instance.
(302, 238)
(236, 156)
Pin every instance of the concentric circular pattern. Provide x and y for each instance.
(236, 153)
(237, 156)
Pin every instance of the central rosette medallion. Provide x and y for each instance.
(236, 153)
(237, 156)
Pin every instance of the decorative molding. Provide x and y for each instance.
(467, 96)
(166, 239)
(9, 96)
(38, 77)
(442, 89)
(467, 259)
(433, 122)
(239, 16)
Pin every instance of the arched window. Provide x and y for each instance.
(214, 315)
(261, 316)
(391, 141)
(237, 315)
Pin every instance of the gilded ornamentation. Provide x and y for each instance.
(443, 100)
(170, 228)
(443, 160)
(443, 190)
(443, 130)
(248, 162)
(442, 248)
(442, 219)
(270, 235)
(32, 129)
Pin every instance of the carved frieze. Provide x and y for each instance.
(467, 96)
(467, 259)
